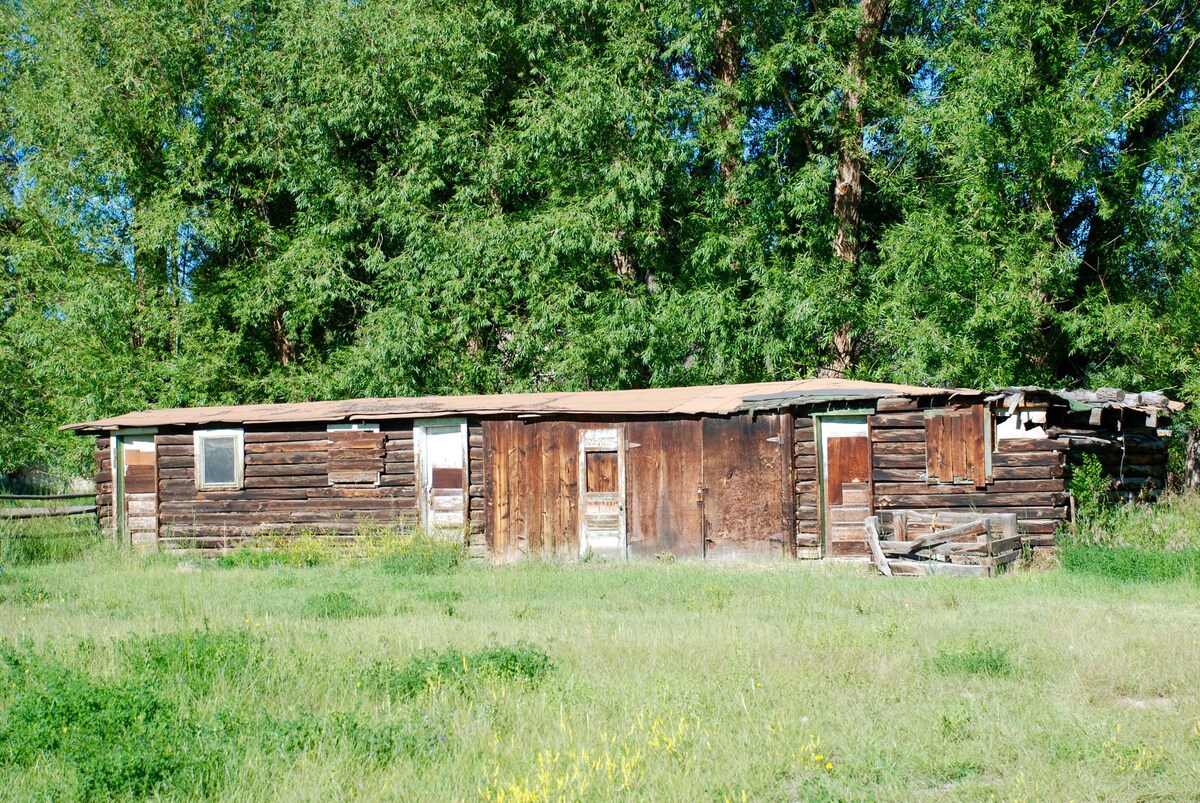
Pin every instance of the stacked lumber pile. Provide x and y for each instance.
(962, 544)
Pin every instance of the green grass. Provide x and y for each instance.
(1137, 542)
(47, 540)
(123, 676)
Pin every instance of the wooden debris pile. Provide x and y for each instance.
(962, 544)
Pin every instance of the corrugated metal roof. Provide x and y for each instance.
(701, 400)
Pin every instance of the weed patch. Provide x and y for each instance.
(34, 541)
(977, 658)
(1129, 564)
(335, 605)
(421, 555)
(194, 660)
(114, 739)
(430, 670)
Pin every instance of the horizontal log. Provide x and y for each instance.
(203, 497)
(288, 446)
(331, 504)
(284, 437)
(897, 420)
(175, 439)
(46, 512)
(177, 461)
(176, 473)
(1018, 445)
(286, 458)
(174, 450)
(978, 499)
(1027, 459)
(1001, 487)
(899, 448)
(900, 461)
(357, 464)
(896, 404)
(400, 496)
(354, 476)
(898, 436)
(999, 474)
(304, 481)
(284, 470)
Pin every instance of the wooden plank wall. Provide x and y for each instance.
(743, 468)
(531, 470)
(662, 475)
(1028, 478)
(104, 481)
(287, 489)
(532, 476)
(807, 505)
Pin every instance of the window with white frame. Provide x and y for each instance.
(220, 459)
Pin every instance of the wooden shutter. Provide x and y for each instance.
(958, 446)
(355, 457)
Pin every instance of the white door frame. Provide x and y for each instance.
(424, 467)
(608, 439)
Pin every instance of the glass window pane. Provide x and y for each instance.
(220, 455)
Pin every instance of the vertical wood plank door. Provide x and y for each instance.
(442, 458)
(846, 495)
(662, 477)
(138, 464)
(601, 493)
(743, 465)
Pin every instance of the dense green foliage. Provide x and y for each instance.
(247, 201)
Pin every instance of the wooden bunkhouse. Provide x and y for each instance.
(770, 470)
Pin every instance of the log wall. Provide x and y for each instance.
(104, 482)
(1027, 478)
(807, 502)
(287, 489)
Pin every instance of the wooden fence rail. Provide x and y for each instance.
(46, 512)
(48, 497)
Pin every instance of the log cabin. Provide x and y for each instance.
(751, 471)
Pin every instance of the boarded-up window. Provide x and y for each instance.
(601, 472)
(355, 455)
(958, 446)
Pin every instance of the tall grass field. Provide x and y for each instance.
(405, 674)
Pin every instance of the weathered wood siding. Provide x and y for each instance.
(532, 486)
(531, 471)
(288, 486)
(104, 481)
(662, 467)
(743, 468)
(1027, 477)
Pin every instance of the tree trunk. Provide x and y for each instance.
(1191, 462)
(848, 190)
(727, 65)
(285, 349)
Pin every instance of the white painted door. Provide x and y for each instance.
(602, 493)
(442, 455)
